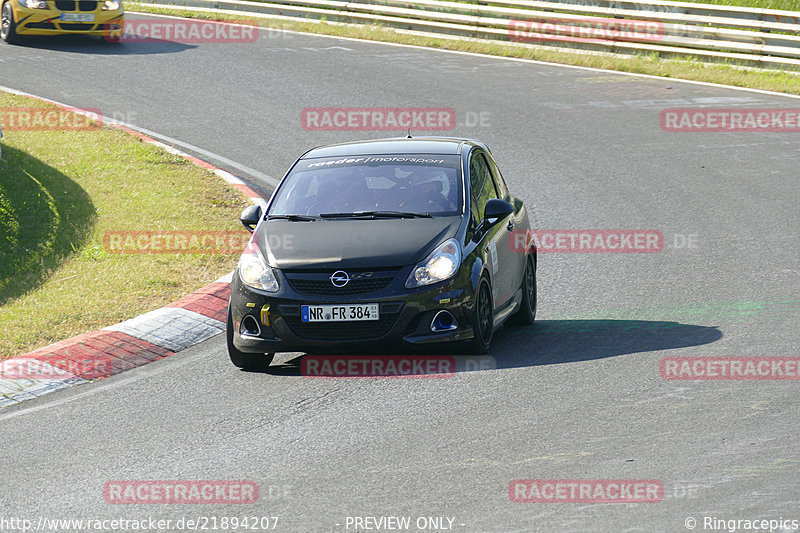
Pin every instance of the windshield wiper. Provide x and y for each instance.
(293, 218)
(376, 214)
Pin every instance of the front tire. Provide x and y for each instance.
(8, 28)
(482, 318)
(527, 311)
(252, 362)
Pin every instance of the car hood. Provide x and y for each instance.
(349, 243)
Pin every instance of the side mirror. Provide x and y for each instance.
(495, 211)
(250, 217)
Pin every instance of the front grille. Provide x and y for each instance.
(326, 288)
(343, 331)
(80, 5)
(41, 25)
(320, 284)
(77, 27)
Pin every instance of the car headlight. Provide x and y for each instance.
(111, 5)
(35, 4)
(439, 266)
(254, 272)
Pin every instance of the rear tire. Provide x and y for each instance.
(527, 311)
(482, 318)
(252, 362)
(8, 28)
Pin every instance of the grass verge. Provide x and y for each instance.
(785, 5)
(689, 68)
(60, 192)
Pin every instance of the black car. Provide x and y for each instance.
(382, 243)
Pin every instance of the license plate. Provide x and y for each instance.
(77, 17)
(339, 313)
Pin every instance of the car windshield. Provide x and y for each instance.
(381, 185)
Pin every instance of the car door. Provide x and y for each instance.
(482, 189)
(511, 258)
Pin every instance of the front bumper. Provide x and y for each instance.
(48, 22)
(405, 317)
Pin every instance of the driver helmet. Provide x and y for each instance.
(437, 177)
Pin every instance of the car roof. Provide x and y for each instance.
(397, 145)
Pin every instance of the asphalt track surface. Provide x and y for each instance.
(578, 396)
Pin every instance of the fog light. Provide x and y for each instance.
(443, 321)
(250, 326)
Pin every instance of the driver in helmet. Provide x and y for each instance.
(431, 190)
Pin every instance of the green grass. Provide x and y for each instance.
(684, 68)
(59, 193)
(44, 217)
(787, 5)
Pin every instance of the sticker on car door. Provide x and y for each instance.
(492, 249)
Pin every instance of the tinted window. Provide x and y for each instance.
(413, 183)
(499, 182)
(481, 185)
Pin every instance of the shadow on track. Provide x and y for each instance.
(550, 342)
(87, 44)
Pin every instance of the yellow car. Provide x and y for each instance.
(104, 18)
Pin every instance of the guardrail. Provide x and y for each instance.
(757, 37)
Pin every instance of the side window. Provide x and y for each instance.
(482, 187)
(498, 179)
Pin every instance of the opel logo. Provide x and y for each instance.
(339, 278)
